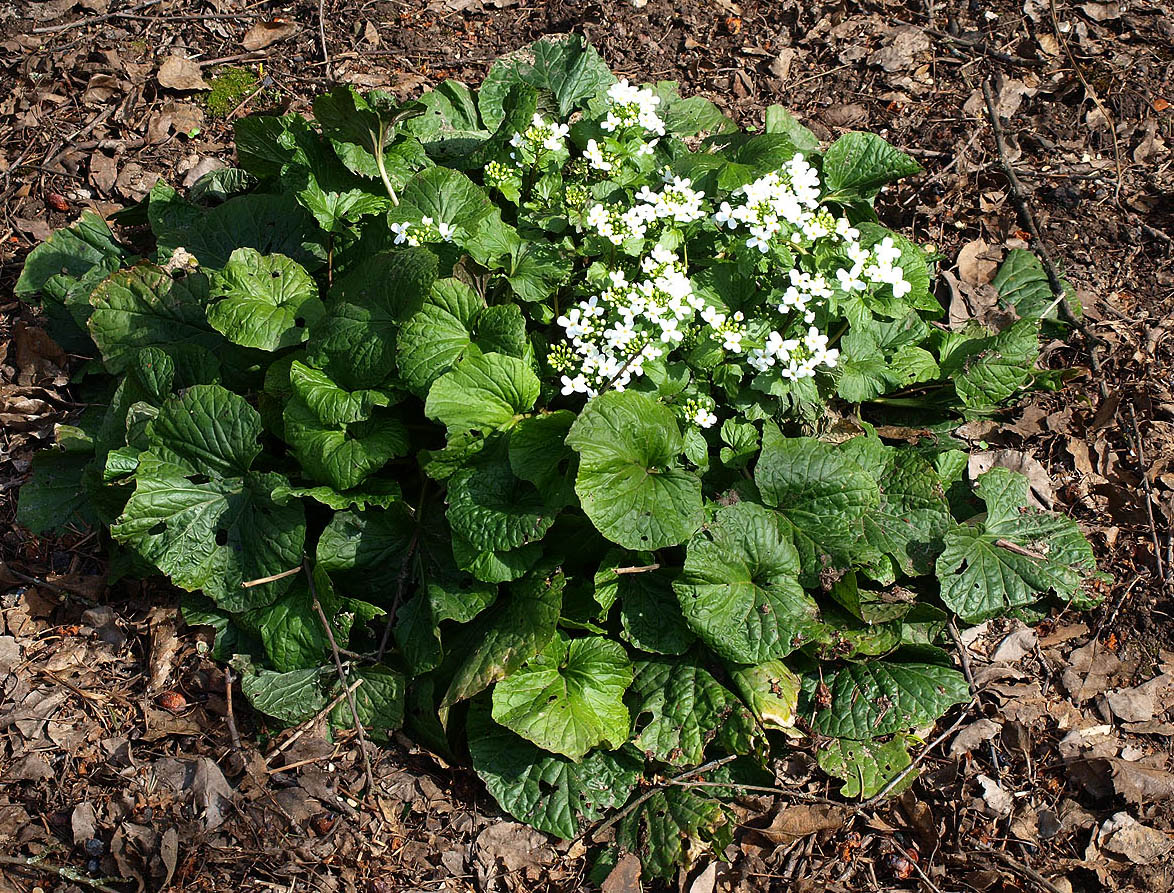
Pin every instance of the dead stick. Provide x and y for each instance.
(342, 677)
(33, 864)
(1015, 865)
(968, 672)
(322, 39)
(105, 17)
(249, 584)
(1149, 494)
(309, 724)
(1041, 249)
(229, 716)
(641, 569)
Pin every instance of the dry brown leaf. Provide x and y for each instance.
(1102, 12)
(973, 735)
(1041, 494)
(264, 34)
(625, 877)
(103, 172)
(1124, 835)
(978, 261)
(795, 822)
(181, 73)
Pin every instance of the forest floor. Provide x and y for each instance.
(120, 764)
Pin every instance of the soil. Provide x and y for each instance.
(124, 761)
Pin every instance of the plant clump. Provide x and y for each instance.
(560, 400)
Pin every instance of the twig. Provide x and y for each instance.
(105, 17)
(641, 569)
(758, 789)
(968, 672)
(342, 677)
(1041, 249)
(401, 579)
(322, 39)
(1092, 94)
(271, 578)
(1015, 865)
(228, 714)
(1149, 494)
(647, 795)
(310, 723)
(34, 864)
(1018, 549)
(917, 761)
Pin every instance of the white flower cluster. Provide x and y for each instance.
(614, 333)
(784, 199)
(796, 358)
(618, 226)
(630, 106)
(540, 136)
(678, 201)
(426, 231)
(875, 266)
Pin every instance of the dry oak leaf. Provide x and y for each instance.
(264, 34)
(181, 73)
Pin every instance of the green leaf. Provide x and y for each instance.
(568, 698)
(859, 164)
(494, 510)
(650, 615)
(54, 496)
(772, 691)
(263, 302)
(821, 496)
(739, 591)
(198, 514)
(494, 566)
(986, 371)
(290, 697)
(551, 793)
(866, 767)
(539, 454)
(878, 698)
(513, 632)
(674, 826)
(144, 307)
(483, 393)
(1013, 556)
(272, 224)
(779, 120)
(537, 270)
(373, 493)
(629, 482)
(356, 342)
(1022, 283)
(445, 195)
(292, 631)
(502, 329)
(70, 256)
(379, 702)
(569, 68)
(679, 708)
(912, 516)
(342, 454)
(435, 338)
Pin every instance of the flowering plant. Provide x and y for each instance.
(535, 379)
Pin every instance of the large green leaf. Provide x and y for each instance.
(68, 254)
(569, 698)
(1012, 556)
(379, 702)
(539, 454)
(772, 691)
(356, 342)
(272, 224)
(263, 301)
(342, 455)
(570, 69)
(859, 164)
(630, 482)
(867, 766)
(290, 697)
(739, 590)
(54, 496)
(821, 496)
(878, 698)
(198, 513)
(144, 306)
(514, 631)
(679, 708)
(988, 370)
(436, 337)
(446, 196)
(494, 510)
(912, 517)
(550, 792)
(483, 393)
(1022, 283)
(674, 825)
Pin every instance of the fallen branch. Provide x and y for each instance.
(1019, 868)
(33, 864)
(342, 678)
(1041, 249)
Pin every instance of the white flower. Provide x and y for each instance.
(725, 216)
(446, 231)
(401, 234)
(733, 341)
(703, 418)
(595, 157)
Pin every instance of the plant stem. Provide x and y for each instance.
(380, 138)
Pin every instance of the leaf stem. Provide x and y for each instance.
(380, 139)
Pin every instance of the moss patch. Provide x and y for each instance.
(229, 87)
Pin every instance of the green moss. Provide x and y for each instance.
(229, 87)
